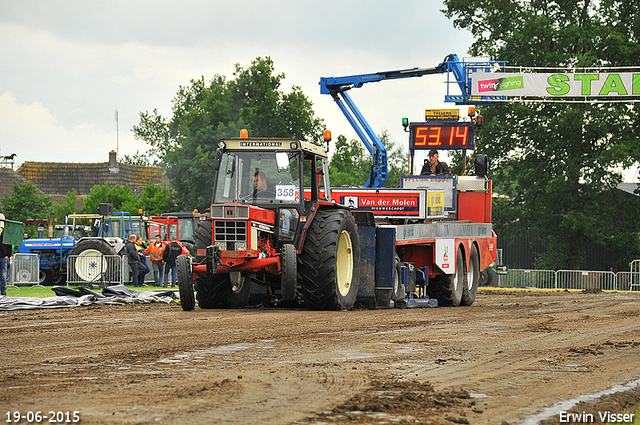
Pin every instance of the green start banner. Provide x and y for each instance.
(558, 85)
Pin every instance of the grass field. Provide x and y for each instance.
(27, 291)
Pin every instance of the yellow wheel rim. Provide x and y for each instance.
(344, 263)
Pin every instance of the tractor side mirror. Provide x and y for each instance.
(218, 158)
(282, 159)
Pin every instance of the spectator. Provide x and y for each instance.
(134, 259)
(169, 256)
(5, 253)
(155, 251)
(144, 269)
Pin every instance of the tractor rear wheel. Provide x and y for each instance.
(330, 261)
(89, 265)
(448, 288)
(185, 284)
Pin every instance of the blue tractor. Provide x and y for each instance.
(73, 239)
(53, 251)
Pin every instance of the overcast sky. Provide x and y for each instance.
(66, 66)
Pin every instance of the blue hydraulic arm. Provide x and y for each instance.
(337, 87)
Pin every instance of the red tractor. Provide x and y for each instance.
(272, 231)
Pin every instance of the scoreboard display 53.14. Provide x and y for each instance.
(441, 135)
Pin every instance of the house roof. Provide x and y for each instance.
(58, 178)
(7, 178)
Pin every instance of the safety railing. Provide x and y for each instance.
(94, 269)
(584, 279)
(623, 281)
(520, 278)
(25, 270)
(572, 279)
(635, 275)
(126, 272)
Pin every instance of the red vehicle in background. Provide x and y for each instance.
(180, 224)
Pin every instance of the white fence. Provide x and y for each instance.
(634, 281)
(25, 270)
(101, 269)
(572, 279)
(94, 269)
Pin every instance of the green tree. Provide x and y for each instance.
(122, 199)
(155, 200)
(397, 160)
(554, 160)
(24, 203)
(67, 207)
(137, 159)
(203, 113)
(348, 166)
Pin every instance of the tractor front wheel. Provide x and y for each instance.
(185, 284)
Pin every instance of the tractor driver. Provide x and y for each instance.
(433, 166)
(260, 181)
(261, 188)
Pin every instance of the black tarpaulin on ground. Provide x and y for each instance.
(68, 297)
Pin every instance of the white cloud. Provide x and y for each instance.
(80, 61)
(34, 134)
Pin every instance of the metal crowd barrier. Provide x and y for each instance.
(94, 269)
(623, 281)
(520, 278)
(126, 272)
(25, 270)
(635, 275)
(584, 279)
(572, 279)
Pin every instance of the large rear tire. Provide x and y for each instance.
(448, 288)
(472, 278)
(223, 290)
(88, 265)
(185, 283)
(330, 261)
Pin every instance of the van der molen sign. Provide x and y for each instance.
(604, 84)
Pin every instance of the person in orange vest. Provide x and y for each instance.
(155, 251)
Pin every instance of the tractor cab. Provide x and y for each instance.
(285, 176)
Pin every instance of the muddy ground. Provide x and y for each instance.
(504, 359)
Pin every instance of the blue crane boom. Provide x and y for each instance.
(337, 87)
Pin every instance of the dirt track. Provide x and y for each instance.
(505, 358)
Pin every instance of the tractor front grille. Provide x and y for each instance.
(230, 235)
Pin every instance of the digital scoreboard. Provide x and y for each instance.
(441, 135)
